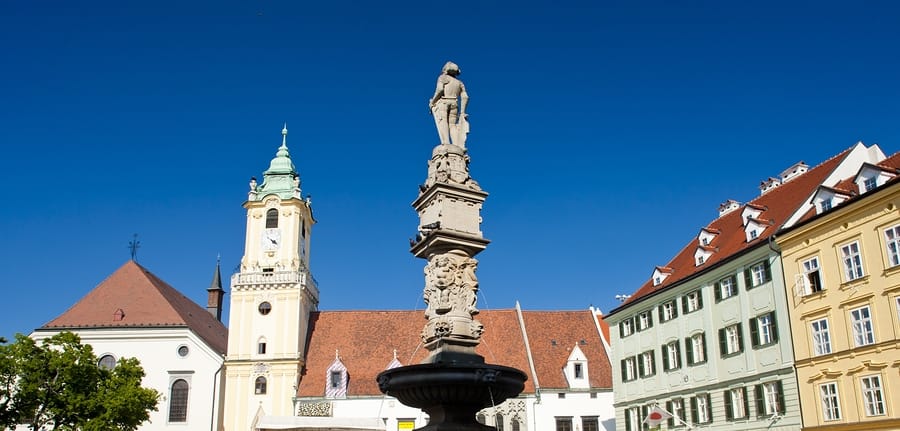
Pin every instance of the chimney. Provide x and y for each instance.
(728, 206)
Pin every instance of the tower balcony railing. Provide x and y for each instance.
(265, 279)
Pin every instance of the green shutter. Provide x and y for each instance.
(705, 350)
(684, 304)
(746, 402)
(649, 318)
(652, 363)
(699, 299)
(754, 332)
(723, 343)
(759, 399)
(748, 279)
(674, 309)
(729, 412)
(768, 271)
(665, 356)
(627, 420)
(694, 416)
(740, 337)
(659, 311)
(780, 397)
(624, 375)
(717, 291)
(677, 363)
(640, 362)
(709, 415)
(671, 421)
(774, 328)
(622, 329)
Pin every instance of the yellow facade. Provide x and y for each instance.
(843, 272)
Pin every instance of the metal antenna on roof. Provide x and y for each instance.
(134, 244)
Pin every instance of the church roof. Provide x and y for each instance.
(133, 297)
(366, 342)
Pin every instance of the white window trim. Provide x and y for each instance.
(851, 259)
(821, 336)
(831, 401)
(872, 397)
(892, 240)
(863, 331)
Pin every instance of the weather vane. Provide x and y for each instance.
(134, 244)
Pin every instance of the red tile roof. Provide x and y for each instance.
(366, 341)
(776, 205)
(133, 297)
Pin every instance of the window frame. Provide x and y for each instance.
(893, 256)
(260, 385)
(179, 401)
(831, 401)
(731, 340)
(692, 301)
(671, 353)
(629, 369)
(675, 406)
(876, 391)
(644, 320)
(812, 273)
(757, 274)
(758, 329)
(725, 285)
(627, 327)
(563, 423)
(768, 394)
(691, 344)
(647, 364)
(863, 324)
(736, 400)
(668, 311)
(820, 336)
(852, 261)
(701, 404)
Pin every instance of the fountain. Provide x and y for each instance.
(454, 382)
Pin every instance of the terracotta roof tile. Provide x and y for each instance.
(553, 334)
(777, 205)
(133, 297)
(366, 341)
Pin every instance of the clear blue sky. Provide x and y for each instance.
(606, 132)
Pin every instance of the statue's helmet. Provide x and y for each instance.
(451, 68)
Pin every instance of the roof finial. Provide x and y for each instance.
(134, 245)
(395, 354)
(284, 135)
(337, 356)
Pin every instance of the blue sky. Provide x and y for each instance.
(606, 132)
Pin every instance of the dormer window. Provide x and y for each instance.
(271, 218)
(700, 260)
(825, 205)
(827, 198)
(579, 370)
(870, 177)
(702, 254)
(751, 212)
(657, 281)
(336, 382)
(576, 371)
(660, 274)
(753, 234)
(870, 184)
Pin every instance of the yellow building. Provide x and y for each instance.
(842, 266)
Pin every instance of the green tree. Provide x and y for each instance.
(58, 385)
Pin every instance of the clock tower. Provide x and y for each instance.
(271, 299)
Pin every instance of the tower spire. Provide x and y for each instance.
(215, 293)
(284, 136)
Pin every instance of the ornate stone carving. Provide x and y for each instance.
(451, 289)
(450, 164)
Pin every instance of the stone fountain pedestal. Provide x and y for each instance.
(453, 392)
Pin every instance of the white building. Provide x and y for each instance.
(180, 345)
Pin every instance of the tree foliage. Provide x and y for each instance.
(58, 385)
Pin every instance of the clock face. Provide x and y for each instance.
(271, 239)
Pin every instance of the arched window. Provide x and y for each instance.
(107, 361)
(271, 218)
(260, 386)
(480, 418)
(178, 401)
(515, 425)
(498, 420)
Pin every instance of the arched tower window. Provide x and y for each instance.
(107, 361)
(515, 425)
(498, 421)
(271, 218)
(178, 401)
(260, 387)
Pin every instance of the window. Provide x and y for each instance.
(265, 308)
(668, 311)
(626, 327)
(691, 302)
(869, 184)
(676, 408)
(730, 340)
(873, 399)
(831, 406)
(701, 410)
(812, 275)
(632, 419)
(861, 321)
(479, 417)
(769, 399)
(646, 366)
(645, 320)
(726, 288)
(628, 369)
(898, 305)
(892, 242)
(695, 346)
(736, 404)
(261, 348)
(825, 205)
(107, 362)
(852, 261)
(671, 356)
(498, 422)
(564, 424)
(271, 218)
(590, 423)
(178, 401)
(757, 274)
(260, 386)
(763, 331)
(700, 260)
(561, 395)
(578, 370)
(183, 351)
(753, 234)
(820, 337)
(515, 424)
(335, 379)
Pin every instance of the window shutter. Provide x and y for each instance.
(768, 271)
(665, 355)
(674, 309)
(699, 299)
(694, 416)
(705, 351)
(689, 350)
(780, 397)
(774, 327)
(649, 319)
(709, 417)
(740, 338)
(652, 363)
(717, 291)
(677, 363)
(723, 344)
(729, 412)
(684, 304)
(754, 332)
(660, 312)
(628, 420)
(624, 375)
(622, 329)
(645, 410)
(748, 279)
(759, 399)
(640, 361)
(671, 421)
